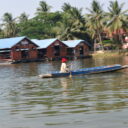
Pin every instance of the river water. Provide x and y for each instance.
(89, 101)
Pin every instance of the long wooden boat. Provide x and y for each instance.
(92, 70)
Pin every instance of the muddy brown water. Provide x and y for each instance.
(88, 101)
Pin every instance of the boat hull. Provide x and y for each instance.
(84, 71)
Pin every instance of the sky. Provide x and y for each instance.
(16, 7)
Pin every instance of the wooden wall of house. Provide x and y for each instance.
(51, 50)
(24, 44)
(85, 49)
(15, 55)
(16, 51)
(33, 54)
(63, 50)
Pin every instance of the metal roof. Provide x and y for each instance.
(10, 42)
(74, 43)
(44, 43)
(1, 51)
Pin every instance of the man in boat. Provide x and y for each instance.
(64, 67)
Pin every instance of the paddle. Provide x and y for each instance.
(70, 74)
(70, 71)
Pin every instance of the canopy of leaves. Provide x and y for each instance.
(68, 24)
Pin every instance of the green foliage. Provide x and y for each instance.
(95, 22)
(72, 25)
(44, 7)
(23, 18)
(69, 24)
(117, 20)
(41, 26)
(9, 25)
(1, 33)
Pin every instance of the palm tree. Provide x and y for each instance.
(23, 23)
(117, 20)
(72, 24)
(1, 33)
(23, 18)
(9, 25)
(44, 7)
(95, 21)
(66, 7)
(64, 30)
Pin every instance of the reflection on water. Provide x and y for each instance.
(92, 100)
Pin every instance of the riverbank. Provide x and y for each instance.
(110, 53)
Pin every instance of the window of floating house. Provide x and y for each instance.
(5, 54)
(33, 48)
(17, 48)
(70, 51)
(57, 49)
(24, 54)
(81, 50)
(42, 53)
(24, 42)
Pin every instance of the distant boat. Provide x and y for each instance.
(84, 71)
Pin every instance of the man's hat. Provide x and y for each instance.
(64, 60)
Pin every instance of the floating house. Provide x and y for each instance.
(77, 48)
(18, 49)
(51, 48)
(22, 49)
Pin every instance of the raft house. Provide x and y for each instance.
(18, 49)
(23, 49)
(77, 48)
(51, 49)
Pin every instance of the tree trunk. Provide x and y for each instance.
(100, 39)
(94, 45)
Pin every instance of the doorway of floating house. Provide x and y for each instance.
(42, 53)
(57, 50)
(24, 54)
(81, 50)
(5, 54)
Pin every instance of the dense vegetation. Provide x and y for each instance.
(98, 26)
